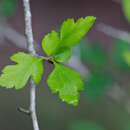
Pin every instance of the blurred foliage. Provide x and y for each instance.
(126, 9)
(117, 55)
(93, 54)
(127, 126)
(98, 80)
(127, 57)
(85, 125)
(7, 7)
(97, 84)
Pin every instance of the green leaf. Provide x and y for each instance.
(126, 9)
(63, 54)
(18, 75)
(71, 33)
(50, 43)
(67, 82)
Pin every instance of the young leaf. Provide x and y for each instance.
(71, 33)
(18, 75)
(67, 82)
(63, 54)
(126, 9)
(50, 43)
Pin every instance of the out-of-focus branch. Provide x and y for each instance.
(113, 32)
(119, 95)
(76, 64)
(7, 32)
(117, 1)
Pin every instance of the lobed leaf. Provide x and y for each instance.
(18, 75)
(67, 82)
(71, 32)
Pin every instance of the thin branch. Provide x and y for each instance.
(28, 27)
(30, 46)
(27, 112)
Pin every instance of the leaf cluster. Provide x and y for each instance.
(62, 79)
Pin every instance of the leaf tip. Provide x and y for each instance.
(91, 18)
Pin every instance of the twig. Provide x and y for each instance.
(27, 112)
(30, 46)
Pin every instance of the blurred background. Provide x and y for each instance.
(102, 58)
